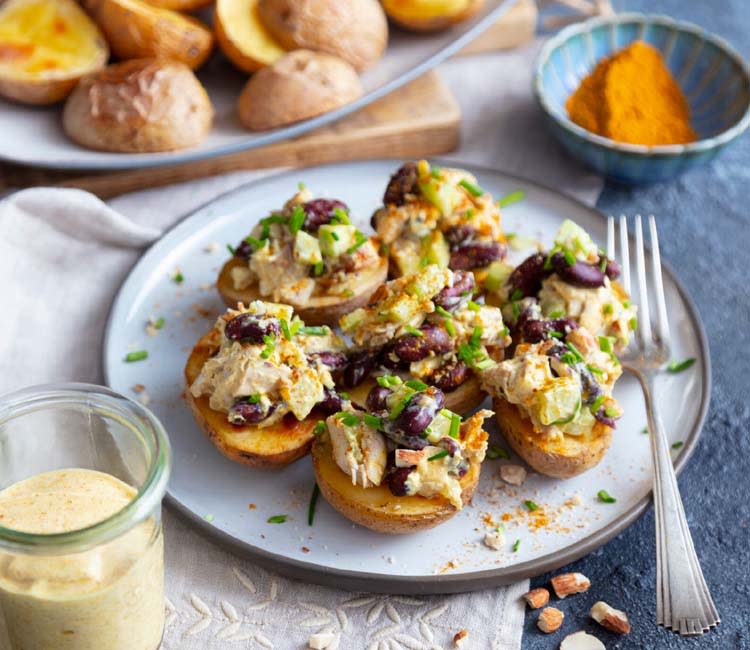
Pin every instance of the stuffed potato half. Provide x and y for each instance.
(258, 383)
(399, 471)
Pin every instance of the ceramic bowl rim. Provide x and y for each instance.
(670, 150)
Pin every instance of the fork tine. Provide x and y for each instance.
(662, 322)
(624, 249)
(644, 320)
(611, 237)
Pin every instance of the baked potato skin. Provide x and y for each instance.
(299, 85)
(354, 30)
(53, 85)
(565, 459)
(430, 15)
(270, 447)
(376, 508)
(167, 108)
(138, 30)
(242, 36)
(326, 310)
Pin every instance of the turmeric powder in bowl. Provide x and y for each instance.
(632, 97)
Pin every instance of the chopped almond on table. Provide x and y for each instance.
(550, 620)
(610, 618)
(537, 598)
(570, 583)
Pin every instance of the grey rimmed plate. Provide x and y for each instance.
(233, 503)
(38, 138)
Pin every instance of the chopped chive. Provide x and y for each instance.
(159, 323)
(443, 312)
(232, 250)
(644, 430)
(341, 216)
(509, 199)
(505, 331)
(343, 395)
(334, 235)
(595, 370)
(297, 219)
(295, 326)
(471, 188)
(435, 171)
(677, 444)
(139, 355)
(605, 344)
(516, 310)
(178, 278)
(314, 330)
(576, 352)
(265, 232)
(455, 425)
(413, 331)
(484, 364)
(253, 399)
(531, 505)
(373, 421)
(626, 303)
(516, 295)
(348, 419)
(678, 366)
(300, 186)
(416, 384)
(610, 412)
(570, 259)
(285, 329)
(274, 218)
(438, 455)
(598, 404)
(474, 306)
(255, 242)
(548, 261)
(555, 335)
(468, 214)
(319, 268)
(495, 452)
(449, 326)
(209, 517)
(383, 381)
(424, 261)
(359, 241)
(270, 342)
(605, 497)
(311, 507)
(602, 262)
(608, 308)
(320, 427)
(516, 545)
(398, 409)
(348, 293)
(558, 313)
(633, 323)
(476, 336)
(277, 519)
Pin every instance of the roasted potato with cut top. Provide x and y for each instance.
(430, 15)
(46, 46)
(180, 5)
(269, 447)
(138, 106)
(355, 30)
(564, 458)
(377, 508)
(243, 37)
(136, 29)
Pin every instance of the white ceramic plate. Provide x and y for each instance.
(217, 494)
(38, 138)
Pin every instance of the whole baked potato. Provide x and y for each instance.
(46, 46)
(138, 106)
(300, 85)
(137, 30)
(430, 15)
(355, 30)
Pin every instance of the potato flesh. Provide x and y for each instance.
(243, 26)
(424, 9)
(45, 38)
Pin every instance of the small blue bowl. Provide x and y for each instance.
(713, 76)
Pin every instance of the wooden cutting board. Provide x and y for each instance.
(421, 119)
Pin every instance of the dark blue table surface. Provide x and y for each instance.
(704, 218)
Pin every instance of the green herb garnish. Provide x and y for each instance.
(474, 306)
(470, 187)
(373, 421)
(484, 364)
(178, 278)
(297, 219)
(678, 366)
(360, 239)
(413, 331)
(605, 497)
(677, 444)
(277, 519)
(531, 505)
(158, 323)
(516, 545)
(319, 268)
(253, 399)
(644, 430)
(139, 355)
(320, 427)
(558, 313)
(339, 214)
(455, 425)
(416, 384)
(513, 197)
(449, 326)
(576, 352)
(597, 404)
(255, 242)
(285, 329)
(398, 409)
(610, 412)
(314, 330)
(311, 507)
(347, 419)
(495, 452)
(516, 295)
(608, 308)
(438, 455)
(270, 346)
(555, 335)
(443, 312)
(633, 323)
(232, 250)
(570, 259)
(476, 337)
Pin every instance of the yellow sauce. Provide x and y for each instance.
(110, 597)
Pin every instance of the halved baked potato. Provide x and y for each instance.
(299, 85)
(46, 46)
(136, 29)
(137, 106)
(180, 5)
(269, 447)
(243, 37)
(355, 30)
(430, 15)
(376, 507)
(563, 458)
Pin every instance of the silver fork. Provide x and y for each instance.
(683, 602)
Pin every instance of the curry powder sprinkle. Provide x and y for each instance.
(632, 97)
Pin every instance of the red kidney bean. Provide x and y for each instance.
(331, 402)
(534, 331)
(450, 376)
(319, 212)
(527, 277)
(458, 235)
(334, 360)
(361, 364)
(244, 412)
(458, 295)
(376, 399)
(602, 417)
(396, 481)
(388, 359)
(450, 445)
(434, 339)
(612, 270)
(475, 255)
(244, 250)
(420, 411)
(463, 468)
(403, 182)
(248, 328)
(579, 274)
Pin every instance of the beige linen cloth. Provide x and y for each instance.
(64, 254)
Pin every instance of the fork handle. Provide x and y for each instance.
(683, 599)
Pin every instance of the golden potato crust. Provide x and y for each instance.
(560, 459)
(137, 106)
(297, 86)
(355, 31)
(271, 447)
(376, 508)
(322, 310)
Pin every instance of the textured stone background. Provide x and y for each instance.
(704, 218)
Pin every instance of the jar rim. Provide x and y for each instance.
(150, 492)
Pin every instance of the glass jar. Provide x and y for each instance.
(82, 474)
